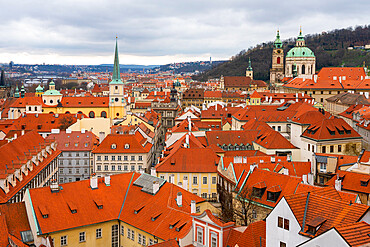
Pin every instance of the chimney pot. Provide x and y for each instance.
(107, 180)
(94, 182)
(179, 199)
(192, 207)
(155, 187)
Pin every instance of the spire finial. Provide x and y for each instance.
(300, 30)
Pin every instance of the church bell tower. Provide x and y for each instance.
(277, 70)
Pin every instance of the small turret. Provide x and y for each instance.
(249, 72)
(278, 43)
(16, 94)
(23, 91)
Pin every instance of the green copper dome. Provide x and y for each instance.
(39, 89)
(300, 51)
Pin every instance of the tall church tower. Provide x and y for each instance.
(117, 101)
(249, 71)
(277, 70)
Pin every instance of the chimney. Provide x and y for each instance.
(155, 187)
(15, 136)
(107, 180)
(101, 136)
(189, 122)
(272, 159)
(187, 141)
(310, 179)
(286, 171)
(68, 131)
(22, 132)
(83, 131)
(251, 167)
(54, 187)
(338, 184)
(94, 181)
(56, 115)
(289, 158)
(185, 184)
(304, 178)
(179, 199)
(36, 115)
(153, 172)
(192, 207)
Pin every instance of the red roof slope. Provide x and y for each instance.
(352, 181)
(356, 234)
(115, 143)
(253, 236)
(333, 212)
(184, 160)
(120, 200)
(74, 141)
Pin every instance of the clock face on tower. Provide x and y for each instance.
(278, 51)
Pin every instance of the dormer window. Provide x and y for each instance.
(258, 189)
(127, 146)
(315, 224)
(113, 146)
(364, 182)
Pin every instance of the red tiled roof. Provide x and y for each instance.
(335, 212)
(288, 184)
(184, 160)
(115, 143)
(168, 243)
(329, 129)
(352, 181)
(356, 234)
(74, 141)
(13, 221)
(253, 236)
(89, 101)
(119, 201)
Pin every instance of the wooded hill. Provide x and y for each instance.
(330, 48)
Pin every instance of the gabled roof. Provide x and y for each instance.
(335, 212)
(349, 99)
(184, 127)
(117, 143)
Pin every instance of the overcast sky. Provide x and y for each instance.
(159, 31)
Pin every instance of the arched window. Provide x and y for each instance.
(303, 70)
(103, 114)
(278, 60)
(79, 112)
(67, 112)
(91, 114)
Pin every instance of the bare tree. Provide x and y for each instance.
(245, 210)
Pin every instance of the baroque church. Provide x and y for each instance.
(299, 61)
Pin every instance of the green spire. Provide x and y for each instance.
(277, 42)
(39, 89)
(23, 91)
(16, 94)
(116, 77)
(249, 65)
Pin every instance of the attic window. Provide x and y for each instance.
(174, 224)
(179, 228)
(156, 217)
(72, 207)
(364, 182)
(44, 211)
(138, 210)
(98, 203)
(127, 146)
(113, 146)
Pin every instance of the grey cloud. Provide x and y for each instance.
(163, 27)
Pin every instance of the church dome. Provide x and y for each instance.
(39, 89)
(300, 52)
